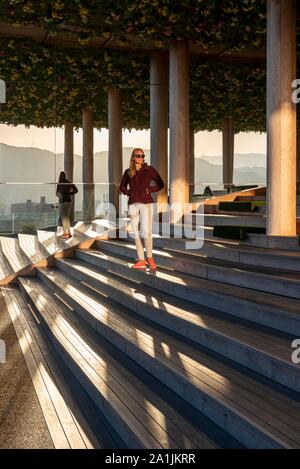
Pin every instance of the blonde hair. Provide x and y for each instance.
(132, 168)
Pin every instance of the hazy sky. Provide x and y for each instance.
(207, 143)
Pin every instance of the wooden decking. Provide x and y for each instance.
(21, 255)
(143, 419)
(194, 372)
(194, 355)
(66, 431)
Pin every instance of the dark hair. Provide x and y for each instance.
(63, 177)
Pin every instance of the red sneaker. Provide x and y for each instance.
(64, 236)
(139, 265)
(151, 263)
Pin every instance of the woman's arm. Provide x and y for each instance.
(124, 183)
(74, 189)
(159, 183)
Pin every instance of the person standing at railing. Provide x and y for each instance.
(142, 180)
(65, 189)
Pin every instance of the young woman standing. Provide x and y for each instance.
(139, 181)
(64, 190)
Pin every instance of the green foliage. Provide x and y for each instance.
(48, 85)
(219, 89)
(208, 22)
(28, 228)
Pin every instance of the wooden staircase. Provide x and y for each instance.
(194, 355)
(22, 254)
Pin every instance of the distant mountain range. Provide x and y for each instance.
(33, 165)
(241, 160)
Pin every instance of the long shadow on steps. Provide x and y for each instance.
(202, 349)
(212, 431)
(101, 427)
(151, 400)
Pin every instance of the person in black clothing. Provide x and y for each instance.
(64, 191)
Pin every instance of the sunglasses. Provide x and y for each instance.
(139, 156)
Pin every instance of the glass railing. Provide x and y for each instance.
(28, 207)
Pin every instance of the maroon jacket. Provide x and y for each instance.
(139, 185)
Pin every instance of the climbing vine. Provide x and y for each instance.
(48, 84)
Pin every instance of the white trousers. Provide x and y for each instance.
(141, 221)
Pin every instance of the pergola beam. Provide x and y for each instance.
(39, 34)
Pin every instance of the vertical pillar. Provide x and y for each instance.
(191, 160)
(114, 145)
(159, 120)
(88, 166)
(281, 118)
(69, 160)
(179, 127)
(69, 151)
(228, 152)
(298, 161)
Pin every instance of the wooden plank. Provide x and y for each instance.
(5, 268)
(214, 201)
(117, 325)
(86, 229)
(203, 266)
(150, 340)
(137, 409)
(54, 382)
(20, 256)
(136, 406)
(94, 367)
(240, 293)
(13, 254)
(48, 240)
(56, 431)
(147, 294)
(192, 314)
(30, 246)
(62, 398)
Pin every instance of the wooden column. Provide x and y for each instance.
(114, 146)
(298, 162)
(228, 152)
(179, 126)
(88, 166)
(281, 118)
(159, 120)
(69, 151)
(191, 160)
(69, 160)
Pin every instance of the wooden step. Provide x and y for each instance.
(205, 383)
(258, 278)
(270, 310)
(13, 254)
(140, 417)
(31, 247)
(5, 268)
(232, 252)
(234, 220)
(65, 419)
(262, 351)
(249, 197)
(48, 240)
